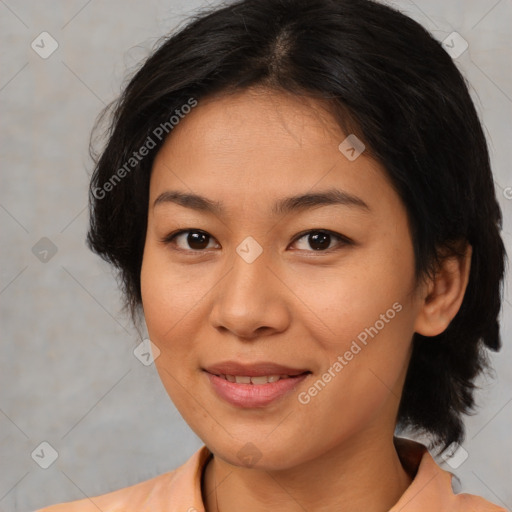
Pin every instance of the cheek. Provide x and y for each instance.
(369, 317)
(175, 303)
(166, 300)
(365, 290)
(365, 354)
(171, 300)
(170, 293)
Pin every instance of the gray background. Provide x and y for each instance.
(68, 372)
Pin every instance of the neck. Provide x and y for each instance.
(364, 473)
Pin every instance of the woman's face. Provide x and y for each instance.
(320, 290)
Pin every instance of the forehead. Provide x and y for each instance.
(259, 119)
(260, 144)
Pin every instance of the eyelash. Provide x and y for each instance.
(343, 240)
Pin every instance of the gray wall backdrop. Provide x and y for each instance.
(68, 373)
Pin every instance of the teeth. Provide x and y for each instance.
(264, 379)
(259, 380)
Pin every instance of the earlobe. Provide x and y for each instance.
(442, 296)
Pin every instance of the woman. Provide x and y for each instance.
(315, 250)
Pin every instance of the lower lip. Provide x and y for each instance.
(253, 395)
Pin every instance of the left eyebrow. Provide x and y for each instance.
(329, 197)
(283, 206)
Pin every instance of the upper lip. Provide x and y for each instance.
(252, 369)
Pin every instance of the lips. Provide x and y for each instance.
(254, 385)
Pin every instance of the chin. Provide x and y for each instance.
(258, 453)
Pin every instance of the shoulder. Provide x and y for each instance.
(470, 503)
(180, 489)
(431, 489)
(116, 500)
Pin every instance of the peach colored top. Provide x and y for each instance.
(180, 490)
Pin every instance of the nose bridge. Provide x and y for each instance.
(249, 275)
(248, 297)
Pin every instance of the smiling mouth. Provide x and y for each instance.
(254, 391)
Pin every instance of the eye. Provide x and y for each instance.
(196, 239)
(320, 240)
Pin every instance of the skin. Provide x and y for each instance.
(293, 305)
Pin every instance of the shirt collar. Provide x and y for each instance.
(430, 490)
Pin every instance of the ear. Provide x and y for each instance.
(441, 297)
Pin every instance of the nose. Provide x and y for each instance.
(251, 300)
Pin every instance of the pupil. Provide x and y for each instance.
(321, 239)
(197, 240)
